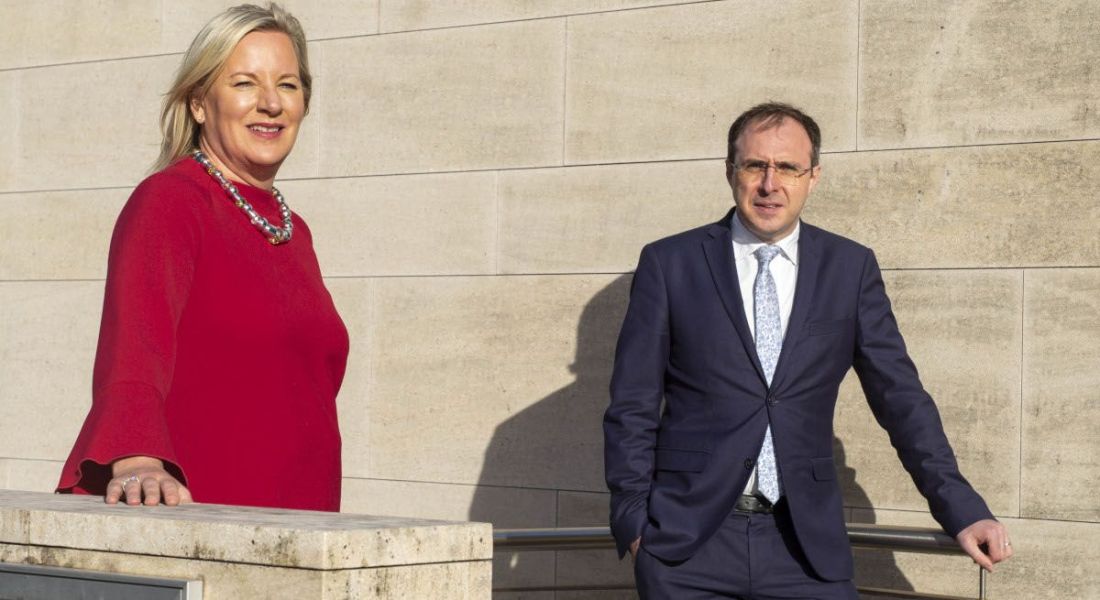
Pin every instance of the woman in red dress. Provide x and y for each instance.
(220, 350)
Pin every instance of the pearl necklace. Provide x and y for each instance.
(275, 235)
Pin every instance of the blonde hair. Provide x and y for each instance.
(204, 59)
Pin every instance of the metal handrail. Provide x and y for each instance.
(564, 538)
(881, 537)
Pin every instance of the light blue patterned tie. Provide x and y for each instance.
(769, 341)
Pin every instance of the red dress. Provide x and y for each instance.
(219, 353)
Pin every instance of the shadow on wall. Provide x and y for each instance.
(554, 449)
(874, 568)
(556, 445)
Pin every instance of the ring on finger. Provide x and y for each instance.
(129, 479)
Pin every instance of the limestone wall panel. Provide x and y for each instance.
(64, 31)
(963, 332)
(1061, 441)
(495, 381)
(57, 235)
(86, 125)
(443, 224)
(67, 31)
(504, 507)
(11, 92)
(665, 83)
(960, 73)
(30, 475)
(496, 101)
(995, 206)
(1042, 568)
(320, 20)
(48, 336)
(596, 219)
(354, 299)
(425, 14)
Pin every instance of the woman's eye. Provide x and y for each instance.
(242, 84)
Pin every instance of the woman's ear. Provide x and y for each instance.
(197, 111)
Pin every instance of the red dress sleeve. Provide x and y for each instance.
(149, 274)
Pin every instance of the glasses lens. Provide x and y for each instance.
(751, 172)
(788, 176)
(754, 172)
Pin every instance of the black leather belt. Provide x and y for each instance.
(754, 504)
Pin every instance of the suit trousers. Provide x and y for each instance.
(752, 556)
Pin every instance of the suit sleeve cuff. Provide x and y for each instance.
(628, 528)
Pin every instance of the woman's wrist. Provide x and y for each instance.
(131, 463)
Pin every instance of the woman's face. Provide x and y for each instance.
(251, 114)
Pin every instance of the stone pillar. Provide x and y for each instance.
(241, 553)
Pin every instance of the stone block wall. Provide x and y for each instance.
(480, 176)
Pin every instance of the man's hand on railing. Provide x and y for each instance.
(991, 534)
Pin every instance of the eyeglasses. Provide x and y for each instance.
(755, 170)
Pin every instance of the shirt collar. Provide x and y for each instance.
(745, 242)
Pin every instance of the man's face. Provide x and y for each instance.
(769, 206)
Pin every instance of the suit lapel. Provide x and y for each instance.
(719, 253)
(809, 261)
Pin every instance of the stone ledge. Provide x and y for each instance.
(246, 535)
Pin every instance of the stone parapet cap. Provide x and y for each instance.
(264, 536)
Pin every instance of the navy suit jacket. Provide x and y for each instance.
(690, 404)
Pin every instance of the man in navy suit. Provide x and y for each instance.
(718, 439)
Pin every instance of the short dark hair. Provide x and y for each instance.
(771, 114)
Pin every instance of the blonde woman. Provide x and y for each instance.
(220, 351)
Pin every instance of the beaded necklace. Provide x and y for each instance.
(275, 235)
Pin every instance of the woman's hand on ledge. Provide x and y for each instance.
(139, 478)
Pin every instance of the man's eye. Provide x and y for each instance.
(787, 170)
(756, 167)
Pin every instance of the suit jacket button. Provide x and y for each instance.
(749, 463)
(772, 400)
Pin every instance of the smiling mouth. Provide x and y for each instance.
(266, 128)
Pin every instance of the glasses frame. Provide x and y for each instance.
(785, 178)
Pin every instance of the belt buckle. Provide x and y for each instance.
(754, 504)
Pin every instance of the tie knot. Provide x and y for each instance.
(765, 254)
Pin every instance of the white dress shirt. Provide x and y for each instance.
(784, 268)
